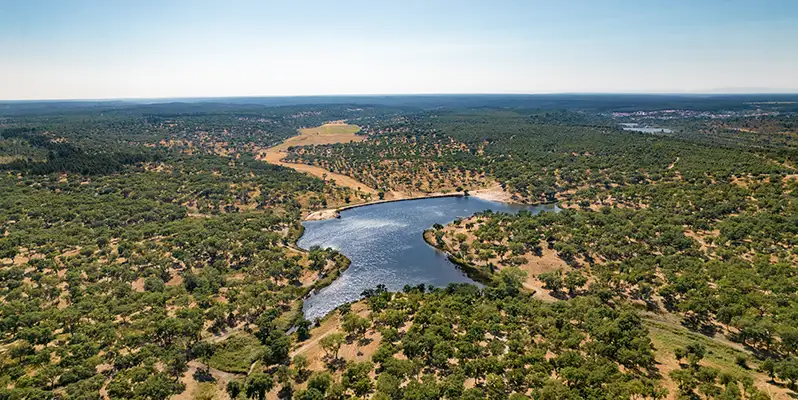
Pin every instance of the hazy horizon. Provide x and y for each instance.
(189, 99)
(95, 50)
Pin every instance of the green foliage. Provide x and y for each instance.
(234, 388)
(331, 344)
(137, 231)
(355, 326)
(320, 381)
(501, 342)
(237, 353)
(356, 379)
(141, 230)
(258, 384)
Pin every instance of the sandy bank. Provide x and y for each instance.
(322, 215)
(334, 212)
(493, 193)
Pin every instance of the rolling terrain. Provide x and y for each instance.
(149, 251)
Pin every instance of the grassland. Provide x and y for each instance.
(237, 353)
(330, 133)
(667, 335)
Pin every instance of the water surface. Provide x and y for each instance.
(385, 244)
(645, 129)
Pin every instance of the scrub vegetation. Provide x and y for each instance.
(147, 251)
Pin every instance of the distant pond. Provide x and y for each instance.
(643, 128)
(385, 244)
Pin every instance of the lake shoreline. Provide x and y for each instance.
(490, 194)
(386, 245)
(474, 272)
(331, 213)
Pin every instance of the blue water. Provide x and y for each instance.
(644, 129)
(385, 244)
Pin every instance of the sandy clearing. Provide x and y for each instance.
(549, 261)
(790, 177)
(493, 193)
(322, 214)
(701, 237)
(325, 134)
(176, 279)
(350, 351)
(335, 212)
(138, 285)
(276, 157)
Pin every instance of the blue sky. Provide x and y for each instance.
(144, 49)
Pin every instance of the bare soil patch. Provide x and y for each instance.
(138, 285)
(493, 193)
(322, 215)
(349, 351)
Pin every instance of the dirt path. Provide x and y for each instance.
(313, 342)
(325, 134)
(229, 332)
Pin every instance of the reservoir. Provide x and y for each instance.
(385, 244)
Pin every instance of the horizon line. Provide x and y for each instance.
(420, 94)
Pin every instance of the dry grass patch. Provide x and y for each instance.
(533, 265)
(349, 351)
(325, 134)
(667, 336)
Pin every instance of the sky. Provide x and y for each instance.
(98, 49)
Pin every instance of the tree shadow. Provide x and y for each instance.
(756, 351)
(203, 375)
(303, 375)
(559, 295)
(652, 306)
(335, 364)
(792, 391)
(286, 392)
(701, 326)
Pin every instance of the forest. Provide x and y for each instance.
(146, 253)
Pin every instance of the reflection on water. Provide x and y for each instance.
(385, 244)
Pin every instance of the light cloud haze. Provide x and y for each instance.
(147, 49)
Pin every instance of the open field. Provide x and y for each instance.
(10, 159)
(325, 134)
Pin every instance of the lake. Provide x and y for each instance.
(385, 244)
